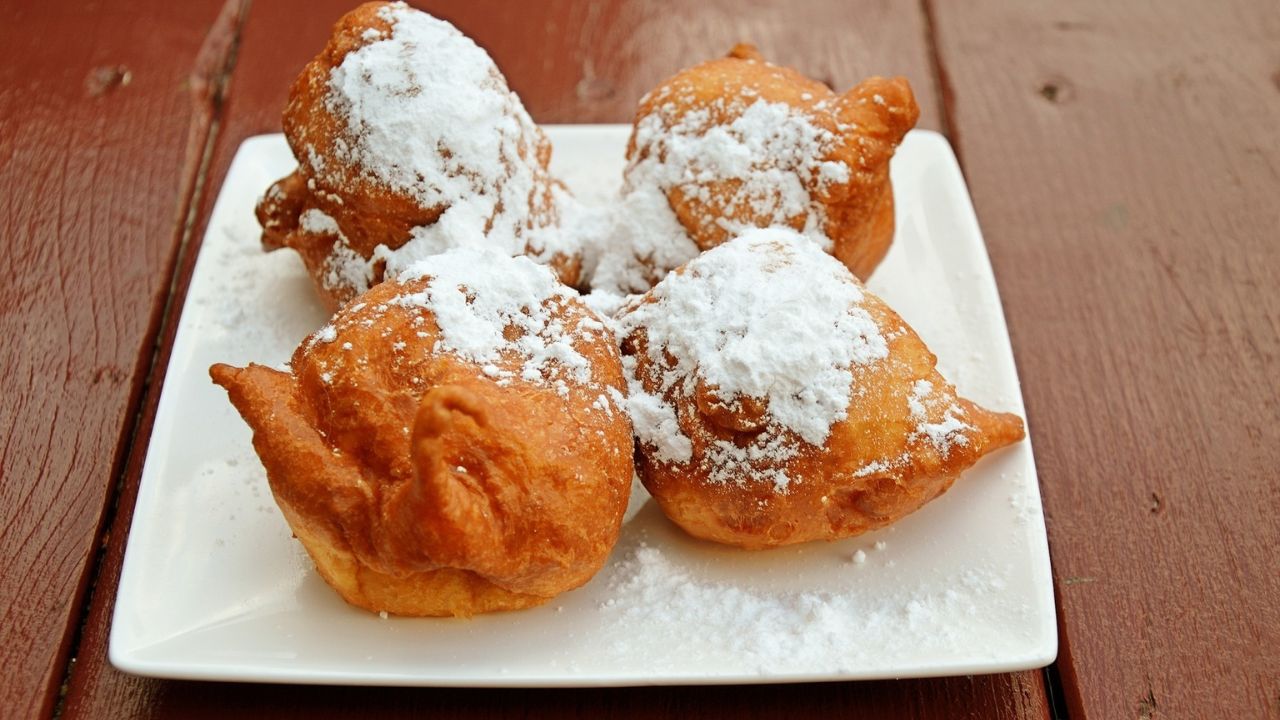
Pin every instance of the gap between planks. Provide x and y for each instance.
(1055, 696)
(210, 81)
(943, 93)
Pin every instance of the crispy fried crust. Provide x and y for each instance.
(367, 212)
(418, 484)
(867, 123)
(874, 468)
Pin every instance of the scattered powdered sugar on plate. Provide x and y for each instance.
(248, 280)
(769, 631)
(768, 317)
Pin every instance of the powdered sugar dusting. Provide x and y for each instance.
(634, 243)
(316, 222)
(476, 310)
(428, 114)
(654, 421)
(489, 308)
(684, 613)
(944, 433)
(769, 317)
(770, 153)
(924, 402)
(761, 168)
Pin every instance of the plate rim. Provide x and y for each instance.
(133, 659)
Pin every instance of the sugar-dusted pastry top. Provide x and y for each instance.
(466, 416)
(764, 333)
(739, 143)
(776, 400)
(410, 142)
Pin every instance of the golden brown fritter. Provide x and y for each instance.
(449, 445)
(776, 401)
(406, 134)
(738, 142)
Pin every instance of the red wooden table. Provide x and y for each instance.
(1125, 164)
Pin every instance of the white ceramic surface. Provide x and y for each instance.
(213, 586)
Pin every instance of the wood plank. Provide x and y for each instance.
(589, 62)
(1125, 163)
(100, 128)
(988, 697)
(592, 65)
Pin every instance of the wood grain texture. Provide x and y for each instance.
(985, 698)
(1125, 164)
(559, 56)
(100, 124)
(589, 62)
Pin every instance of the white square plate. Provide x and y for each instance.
(213, 586)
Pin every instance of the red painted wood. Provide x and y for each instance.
(100, 127)
(1125, 164)
(1003, 697)
(571, 64)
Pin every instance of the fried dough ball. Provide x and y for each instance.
(453, 442)
(777, 401)
(407, 140)
(738, 143)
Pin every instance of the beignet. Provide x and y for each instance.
(739, 143)
(408, 142)
(777, 401)
(454, 441)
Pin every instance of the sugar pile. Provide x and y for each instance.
(769, 157)
(632, 244)
(762, 168)
(515, 308)
(768, 316)
(427, 113)
(476, 310)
